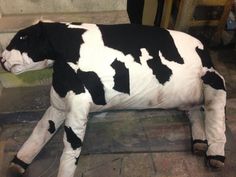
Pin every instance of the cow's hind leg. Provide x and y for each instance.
(41, 134)
(215, 102)
(199, 142)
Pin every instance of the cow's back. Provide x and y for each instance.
(143, 67)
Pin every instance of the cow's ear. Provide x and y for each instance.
(39, 28)
(40, 22)
(36, 22)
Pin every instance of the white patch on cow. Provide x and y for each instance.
(12, 57)
(57, 101)
(144, 57)
(96, 57)
(127, 59)
(185, 86)
(186, 46)
(75, 67)
(92, 34)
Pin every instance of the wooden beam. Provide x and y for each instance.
(212, 2)
(166, 13)
(204, 22)
(185, 14)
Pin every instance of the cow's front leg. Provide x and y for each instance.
(215, 101)
(75, 126)
(41, 134)
(199, 142)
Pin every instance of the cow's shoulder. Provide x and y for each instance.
(65, 79)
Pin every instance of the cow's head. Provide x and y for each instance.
(28, 50)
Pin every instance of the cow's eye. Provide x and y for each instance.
(23, 37)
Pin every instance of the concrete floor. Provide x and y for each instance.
(119, 144)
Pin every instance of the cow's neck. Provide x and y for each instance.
(65, 42)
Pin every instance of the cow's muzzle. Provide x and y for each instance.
(2, 64)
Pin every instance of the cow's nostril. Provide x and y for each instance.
(2, 64)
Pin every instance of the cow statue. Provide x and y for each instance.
(116, 67)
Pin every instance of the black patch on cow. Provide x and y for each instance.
(72, 138)
(94, 85)
(65, 79)
(131, 38)
(205, 58)
(51, 128)
(214, 80)
(121, 77)
(161, 71)
(65, 41)
(49, 41)
(33, 41)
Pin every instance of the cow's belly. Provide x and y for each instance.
(183, 90)
(152, 99)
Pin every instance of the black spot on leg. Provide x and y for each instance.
(121, 77)
(202, 109)
(51, 128)
(161, 71)
(214, 80)
(72, 138)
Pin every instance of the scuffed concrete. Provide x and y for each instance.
(59, 6)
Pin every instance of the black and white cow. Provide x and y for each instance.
(104, 67)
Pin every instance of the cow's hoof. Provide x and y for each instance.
(15, 171)
(199, 147)
(215, 162)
